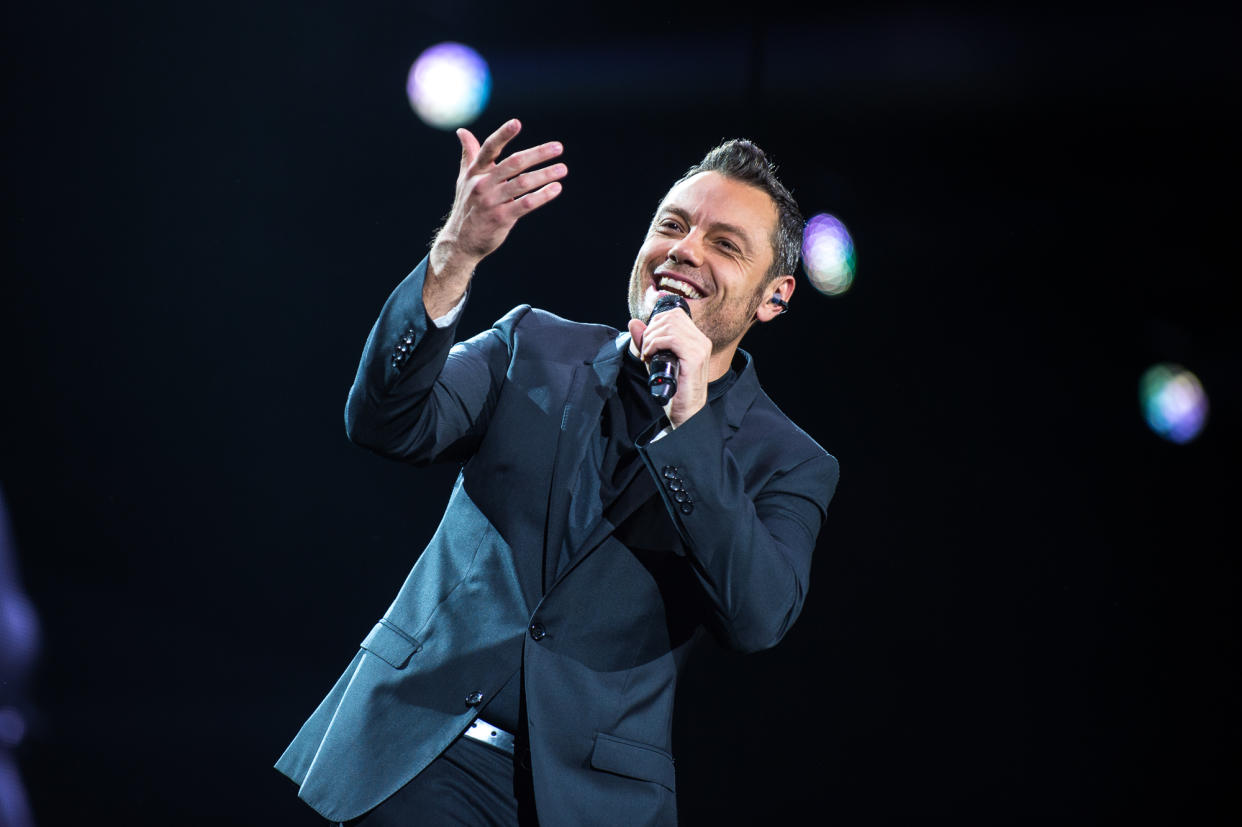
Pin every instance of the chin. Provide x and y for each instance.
(650, 296)
(642, 304)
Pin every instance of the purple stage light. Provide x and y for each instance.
(448, 85)
(828, 255)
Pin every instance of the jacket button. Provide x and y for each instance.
(474, 699)
(686, 508)
(681, 496)
(675, 485)
(537, 631)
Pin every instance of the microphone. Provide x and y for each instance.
(663, 367)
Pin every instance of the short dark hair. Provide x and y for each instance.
(744, 161)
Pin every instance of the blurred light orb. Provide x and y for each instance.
(828, 254)
(448, 85)
(1173, 402)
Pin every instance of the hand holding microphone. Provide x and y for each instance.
(678, 357)
(664, 367)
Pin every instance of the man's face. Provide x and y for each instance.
(711, 242)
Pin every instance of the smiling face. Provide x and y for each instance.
(711, 242)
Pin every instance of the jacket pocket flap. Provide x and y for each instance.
(390, 644)
(633, 760)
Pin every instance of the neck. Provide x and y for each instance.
(720, 362)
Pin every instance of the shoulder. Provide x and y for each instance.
(782, 449)
(546, 333)
(765, 416)
(536, 320)
(752, 411)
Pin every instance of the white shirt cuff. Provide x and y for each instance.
(450, 317)
(665, 431)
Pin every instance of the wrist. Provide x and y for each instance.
(679, 416)
(448, 277)
(446, 262)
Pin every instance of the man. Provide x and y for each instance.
(528, 664)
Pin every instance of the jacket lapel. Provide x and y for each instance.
(731, 408)
(593, 381)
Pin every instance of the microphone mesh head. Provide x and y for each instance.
(668, 301)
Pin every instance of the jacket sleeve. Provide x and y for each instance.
(417, 396)
(750, 553)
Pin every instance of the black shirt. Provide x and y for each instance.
(610, 463)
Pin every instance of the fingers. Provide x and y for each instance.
(512, 179)
(656, 339)
(490, 197)
(654, 342)
(676, 332)
(527, 158)
(482, 158)
(529, 181)
(490, 151)
(534, 200)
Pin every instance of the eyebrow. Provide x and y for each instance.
(715, 225)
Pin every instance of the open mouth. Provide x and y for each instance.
(676, 285)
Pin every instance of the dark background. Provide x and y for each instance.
(1023, 603)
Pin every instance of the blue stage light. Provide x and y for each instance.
(1173, 402)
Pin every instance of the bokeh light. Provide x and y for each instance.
(828, 254)
(448, 85)
(1173, 402)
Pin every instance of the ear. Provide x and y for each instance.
(782, 288)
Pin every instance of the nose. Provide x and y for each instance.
(688, 250)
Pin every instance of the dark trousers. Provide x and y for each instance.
(469, 784)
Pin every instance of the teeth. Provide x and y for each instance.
(678, 286)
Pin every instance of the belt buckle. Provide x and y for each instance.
(493, 736)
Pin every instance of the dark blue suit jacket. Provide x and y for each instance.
(726, 545)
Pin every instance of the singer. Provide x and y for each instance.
(526, 670)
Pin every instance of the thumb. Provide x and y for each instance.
(469, 147)
(637, 328)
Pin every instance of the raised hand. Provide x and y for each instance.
(491, 196)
